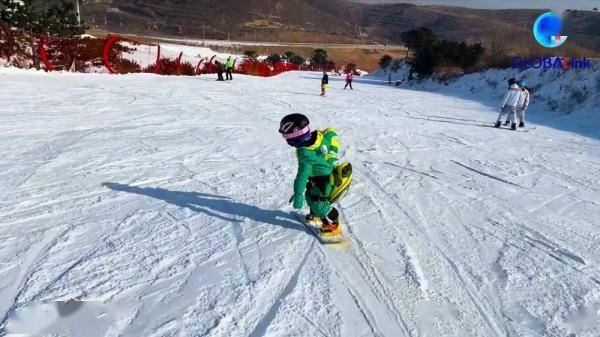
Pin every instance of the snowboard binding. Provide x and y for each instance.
(331, 230)
(327, 230)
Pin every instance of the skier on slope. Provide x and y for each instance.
(349, 78)
(319, 179)
(509, 104)
(523, 103)
(324, 83)
(229, 69)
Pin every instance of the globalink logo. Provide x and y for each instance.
(546, 31)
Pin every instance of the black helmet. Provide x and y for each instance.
(295, 129)
(511, 81)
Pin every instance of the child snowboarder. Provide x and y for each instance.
(319, 180)
(349, 78)
(509, 104)
(324, 83)
(523, 103)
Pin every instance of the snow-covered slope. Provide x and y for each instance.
(161, 202)
(565, 99)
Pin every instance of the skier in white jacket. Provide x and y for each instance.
(509, 104)
(523, 103)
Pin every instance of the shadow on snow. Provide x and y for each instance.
(215, 206)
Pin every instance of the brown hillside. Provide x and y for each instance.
(327, 21)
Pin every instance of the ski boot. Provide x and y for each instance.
(497, 125)
(331, 224)
(513, 126)
(521, 125)
(506, 123)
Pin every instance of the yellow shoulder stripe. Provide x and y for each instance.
(335, 142)
(317, 142)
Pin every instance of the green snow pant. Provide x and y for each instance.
(317, 195)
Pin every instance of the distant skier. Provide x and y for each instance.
(324, 83)
(219, 70)
(390, 78)
(509, 104)
(523, 103)
(229, 69)
(349, 78)
(319, 179)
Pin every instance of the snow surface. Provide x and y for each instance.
(157, 206)
(564, 99)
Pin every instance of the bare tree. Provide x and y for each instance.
(498, 48)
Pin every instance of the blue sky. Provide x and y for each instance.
(558, 5)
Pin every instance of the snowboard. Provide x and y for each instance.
(324, 238)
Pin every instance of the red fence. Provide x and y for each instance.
(27, 50)
(24, 49)
(257, 68)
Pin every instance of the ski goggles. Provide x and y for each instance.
(296, 133)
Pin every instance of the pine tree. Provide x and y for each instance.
(320, 58)
(274, 58)
(385, 61)
(21, 15)
(61, 20)
(297, 60)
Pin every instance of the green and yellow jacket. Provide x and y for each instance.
(316, 160)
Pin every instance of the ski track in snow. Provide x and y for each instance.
(162, 203)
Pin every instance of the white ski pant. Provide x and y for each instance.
(511, 111)
(521, 115)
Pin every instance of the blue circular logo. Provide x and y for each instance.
(547, 30)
